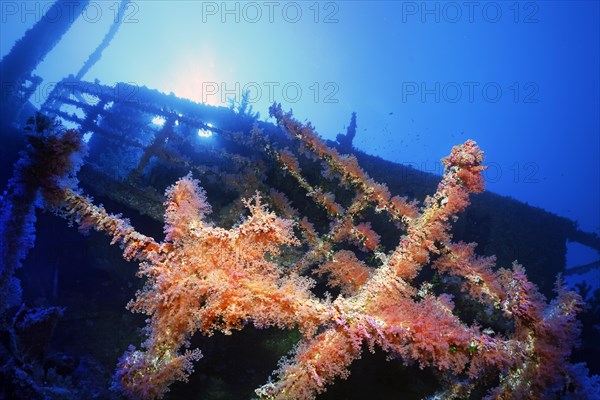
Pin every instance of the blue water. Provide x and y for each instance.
(520, 78)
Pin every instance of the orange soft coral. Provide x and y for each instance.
(207, 279)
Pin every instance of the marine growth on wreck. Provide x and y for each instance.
(263, 261)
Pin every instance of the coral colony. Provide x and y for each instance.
(207, 279)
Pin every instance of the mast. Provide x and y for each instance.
(16, 68)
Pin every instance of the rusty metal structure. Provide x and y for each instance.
(135, 134)
(141, 140)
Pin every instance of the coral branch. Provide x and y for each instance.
(206, 279)
(48, 163)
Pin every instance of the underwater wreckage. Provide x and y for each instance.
(295, 211)
(287, 231)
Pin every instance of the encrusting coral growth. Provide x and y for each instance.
(47, 164)
(207, 279)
